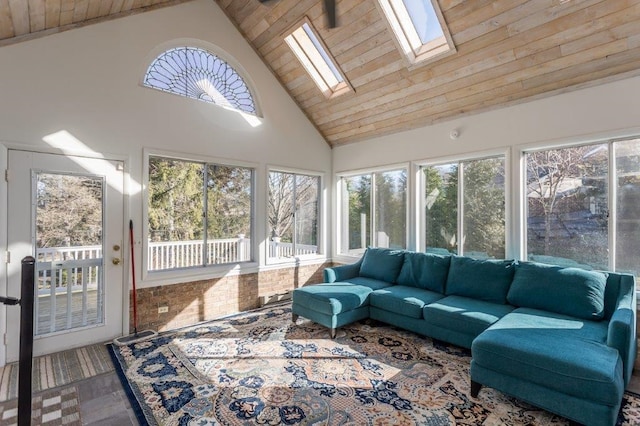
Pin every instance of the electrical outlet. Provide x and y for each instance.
(163, 309)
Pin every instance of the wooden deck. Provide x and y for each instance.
(63, 320)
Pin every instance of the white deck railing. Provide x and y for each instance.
(74, 265)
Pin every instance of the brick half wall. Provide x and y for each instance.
(192, 302)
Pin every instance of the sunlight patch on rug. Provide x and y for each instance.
(260, 368)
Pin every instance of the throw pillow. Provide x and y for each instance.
(486, 279)
(569, 291)
(424, 270)
(382, 264)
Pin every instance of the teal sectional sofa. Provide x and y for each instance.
(560, 338)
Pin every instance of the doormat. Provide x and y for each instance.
(59, 369)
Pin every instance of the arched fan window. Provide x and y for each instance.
(198, 74)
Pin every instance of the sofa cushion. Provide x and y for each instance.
(382, 264)
(487, 279)
(373, 284)
(424, 270)
(332, 299)
(403, 300)
(564, 353)
(569, 291)
(472, 316)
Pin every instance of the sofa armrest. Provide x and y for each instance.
(622, 327)
(342, 272)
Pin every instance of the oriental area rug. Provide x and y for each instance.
(260, 368)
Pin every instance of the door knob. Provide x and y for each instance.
(115, 260)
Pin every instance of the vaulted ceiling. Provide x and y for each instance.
(508, 51)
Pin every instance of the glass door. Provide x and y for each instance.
(67, 212)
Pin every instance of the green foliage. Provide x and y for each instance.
(483, 198)
(176, 201)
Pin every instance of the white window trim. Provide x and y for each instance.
(342, 256)
(153, 278)
(306, 258)
(472, 156)
(154, 53)
(610, 141)
(314, 62)
(407, 39)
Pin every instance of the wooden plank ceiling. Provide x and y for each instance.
(508, 51)
(22, 20)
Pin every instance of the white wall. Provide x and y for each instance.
(597, 113)
(607, 110)
(87, 81)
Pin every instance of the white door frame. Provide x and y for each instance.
(125, 253)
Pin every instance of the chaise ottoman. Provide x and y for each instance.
(331, 304)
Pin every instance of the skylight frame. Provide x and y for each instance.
(313, 54)
(407, 38)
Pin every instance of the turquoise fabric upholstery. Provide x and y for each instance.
(569, 347)
(342, 272)
(331, 298)
(404, 300)
(487, 280)
(373, 284)
(424, 270)
(331, 321)
(577, 409)
(382, 264)
(463, 313)
(622, 327)
(555, 351)
(569, 291)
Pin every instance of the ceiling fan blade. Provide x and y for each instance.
(330, 9)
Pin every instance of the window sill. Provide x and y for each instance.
(185, 275)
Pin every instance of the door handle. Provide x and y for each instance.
(115, 260)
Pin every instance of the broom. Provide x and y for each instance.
(143, 335)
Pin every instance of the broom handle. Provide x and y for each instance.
(133, 278)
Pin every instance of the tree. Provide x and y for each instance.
(293, 200)
(69, 210)
(228, 202)
(484, 207)
(557, 180)
(441, 195)
(176, 202)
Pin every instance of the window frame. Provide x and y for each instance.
(612, 189)
(405, 33)
(421, 223)
(342, 253)
(177, 275)
(315, 61)
(321, 251)
(253, 118)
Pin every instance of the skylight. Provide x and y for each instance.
(315, 58)
(419, 28)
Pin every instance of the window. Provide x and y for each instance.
(195, 73)
(294, 214)
(374, 211)
(581, 211)
(419, 28)
(199, 214)
(313, 55)
(465, 198)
